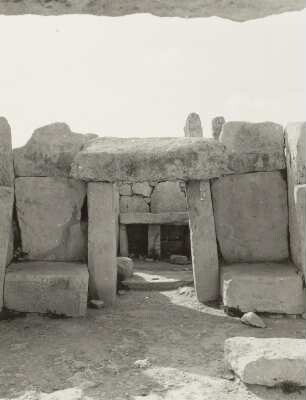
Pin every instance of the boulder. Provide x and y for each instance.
(300, 210)
(6, 154)
(6, 211)
(254, 146)
(168, 197)
(267, 362)
(193, 126)
(251, 216)
(266, 287)
(133, 204)
(49, 212)
(47, 287)
(151, 159)
(50, 151)
(125, 189)
(125, 267)
(252, 319)
(142, 189)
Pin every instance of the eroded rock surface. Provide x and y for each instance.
(6, 154)
(168, 197)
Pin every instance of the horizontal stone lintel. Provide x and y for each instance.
(170, 218)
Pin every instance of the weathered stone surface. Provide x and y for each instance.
(125, 267)
(267, 362)
(295, 138)
(193, 126)
(154, 241)
(252, 319)
(50, 151)
(166, 218)
(254, 146)
(6, 154)
(251, 216)
(168, 197)
(216, 126)
(125, 189)
(142, 189)
(47, 287)
(266, 287)
(152, 159)
(6, 211)
(49, 215)
(300, 209)
(133, 204)
(236, 10)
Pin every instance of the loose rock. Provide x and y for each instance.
(125, 267)
(97, 304)
(179, 259)
(253, 319)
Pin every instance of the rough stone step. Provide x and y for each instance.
(47, 287)
(262, 287)
(158, 280)
(267, 362)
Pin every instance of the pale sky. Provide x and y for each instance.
(141, 75)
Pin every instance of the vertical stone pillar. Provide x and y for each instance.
(216, 126)
(193, 126)
(300, 209)
(102, 241)
(123, 241)
(203, 241)
(154, 233)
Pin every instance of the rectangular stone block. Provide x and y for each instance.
(266, 287)
(6, 154)
(102, 247)
(251, 216)
(300, 210)
(154, 243)
(6, 211)
(47, 287)
(49, 212)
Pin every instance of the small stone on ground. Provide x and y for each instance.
(97, 304)
(179, 259)
(253, 319)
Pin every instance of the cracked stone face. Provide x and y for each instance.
(237, 10)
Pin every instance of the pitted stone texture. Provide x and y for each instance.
(47, 287)
(133, 204)
(295, 135)
(6, 211)
(193, 126)
(267, 362)
(152, 159)
(236, 10)
(266, 287)
(251, 216)
(50, 151)
(168, 197)
(49, 215)
(6, 154)
(300, 209)
(125, 189)
(142, 189)
(254, 146)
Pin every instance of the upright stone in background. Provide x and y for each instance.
(6, 210)
(102, 247)
(203, 241)
(216, 126)
(6, 154)
(193, 126)
(154, 241)
(49, 212)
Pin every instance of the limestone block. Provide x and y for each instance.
(266, 287)
(50, 151)
(251, 216)
(6, 210)
(193, 126)
(49, 215)
(125, 189)
(154, 241)
(168, 197)
(142, 189)
(6, 154)
(216, 126)
(152, 159)
(125, 267)
(47, 287)
(133, 204)
(267, 362)
(254, 146)
(300, 209)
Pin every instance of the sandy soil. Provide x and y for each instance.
(181, 340)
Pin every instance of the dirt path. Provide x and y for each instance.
(181, 339)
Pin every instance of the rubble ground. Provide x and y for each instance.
(150, 345)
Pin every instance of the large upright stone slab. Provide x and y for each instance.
(268, 362)
(254, 146)
(50, 218)
(102, 247)
(47, 287)
(251, 216)
(152, 159)
(300, 209)
(193, 126)
(6, 154)
(203, 241)
(6, 211)
(295, 135)
(50, 151)
(168, 197)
